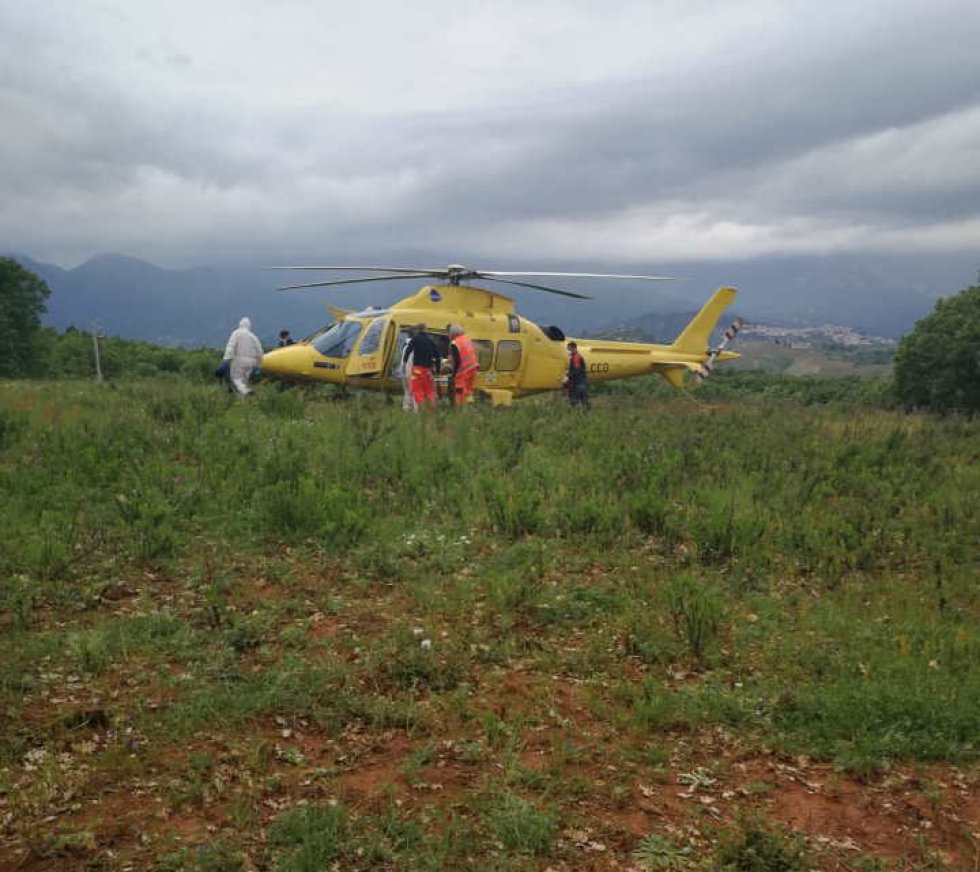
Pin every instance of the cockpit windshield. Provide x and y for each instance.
(338, 339)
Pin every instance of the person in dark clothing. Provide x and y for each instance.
(285, 339)
(575, 378)
(425, 364)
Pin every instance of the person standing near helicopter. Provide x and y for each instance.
(575, 377)
(465, 364)
(243, 353)
(424, 357)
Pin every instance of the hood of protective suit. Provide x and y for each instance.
(245, 324)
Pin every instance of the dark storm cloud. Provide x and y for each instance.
(833, 127)
(606, 148)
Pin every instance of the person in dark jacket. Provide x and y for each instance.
(425, 364)
(575, 377)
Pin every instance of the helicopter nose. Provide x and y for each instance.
(294, 361)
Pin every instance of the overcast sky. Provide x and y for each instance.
(194, 132)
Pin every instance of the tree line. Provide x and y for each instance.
(29, 350)
(937, 365)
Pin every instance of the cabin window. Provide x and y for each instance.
(372, 336)
(484, 353)
(508, 355)
(338, 340)
(513, 324)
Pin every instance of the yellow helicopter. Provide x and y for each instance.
(517, 357)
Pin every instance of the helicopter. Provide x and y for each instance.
(517, 357)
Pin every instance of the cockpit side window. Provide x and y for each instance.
(338, 340)
(372, 336)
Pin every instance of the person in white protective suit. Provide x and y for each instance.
(408, 401)
(244, 354)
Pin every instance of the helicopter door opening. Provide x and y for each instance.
(395, 370)
(369, 359)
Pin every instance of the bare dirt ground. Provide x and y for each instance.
(909, 818)
(107, 798)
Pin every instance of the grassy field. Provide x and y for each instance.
(304, 633)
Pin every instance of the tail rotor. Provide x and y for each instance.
(707, 367)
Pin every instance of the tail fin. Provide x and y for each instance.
(694, 338)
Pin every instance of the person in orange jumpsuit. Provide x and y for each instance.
(422, 351)
(466, 364)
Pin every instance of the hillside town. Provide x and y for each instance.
(802, 337)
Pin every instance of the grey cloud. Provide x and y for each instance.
(760, 133)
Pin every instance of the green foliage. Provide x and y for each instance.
(407, 660)
(696, 612)
(752, 847)
(937, 365)
(864, 355)
(218, 856)
(310, 838)
(656, 852)
(71, 354)
(286, 404)
(728, 385)
(781, 574)
(22, 296)
(12, 424)
(521, 826)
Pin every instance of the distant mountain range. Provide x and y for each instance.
(134, 299)
(131, 298)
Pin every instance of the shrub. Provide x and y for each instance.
(521, 826)
(696, 612)
(750, 847)
(12, 425)
(310, 838)
(302, 508)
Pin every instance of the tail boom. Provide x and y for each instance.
(607, 360)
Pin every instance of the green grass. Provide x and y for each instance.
(472, 594)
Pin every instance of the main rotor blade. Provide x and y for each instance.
(356, 281)
(579, 275)
(391, 269)
(536, 287)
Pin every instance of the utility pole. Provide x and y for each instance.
(95, 345)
